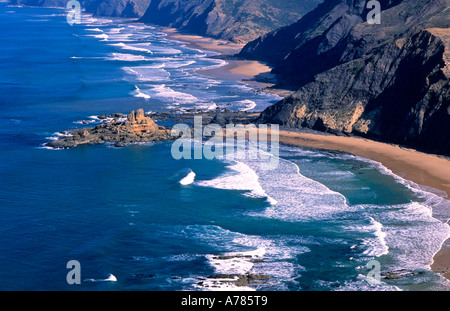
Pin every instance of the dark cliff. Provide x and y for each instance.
(234, 20)
(388, 81)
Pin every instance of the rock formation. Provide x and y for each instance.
(137, 128)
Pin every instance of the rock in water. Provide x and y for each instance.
(136, 129)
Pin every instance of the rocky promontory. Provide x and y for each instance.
(137, 128)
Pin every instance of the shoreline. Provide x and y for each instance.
(423, 169)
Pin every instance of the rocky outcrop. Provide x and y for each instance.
(234, 20)
(138, 128)
(387, 81)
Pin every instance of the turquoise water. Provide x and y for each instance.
(313, 224)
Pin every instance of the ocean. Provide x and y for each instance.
(135, 218)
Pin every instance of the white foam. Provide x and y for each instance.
(102, 36)
(165, 50)
(132, 47)
(250, 104)
(412, 234)
(247, 254)
(110, 278)
(246, 179)
(217, 63)
(83, 122)
(178, 64)
(207, 106)
(138, 93)
(57, 135)
(188, 179)
(115, 30)
(382, 248)
(120, 37)
(94, 29)
(299, 197)
(414, 227)
(375, 246)
(236, 262)
(167, 94)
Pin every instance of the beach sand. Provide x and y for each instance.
(421, 168)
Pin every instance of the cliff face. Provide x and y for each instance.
(387, 81)
(235, 20)
(113, 8)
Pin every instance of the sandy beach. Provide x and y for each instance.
(421, 168)
(241, 70)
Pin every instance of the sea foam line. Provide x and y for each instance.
(246, 179)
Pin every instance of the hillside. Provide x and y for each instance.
(113, 8)
(234, 20)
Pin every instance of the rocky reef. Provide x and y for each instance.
(137, 128)
(387, 81)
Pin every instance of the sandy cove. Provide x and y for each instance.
(421, 168)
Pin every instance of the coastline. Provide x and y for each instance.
(241, 70)
(421, 168)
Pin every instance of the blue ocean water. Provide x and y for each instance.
(313, 224)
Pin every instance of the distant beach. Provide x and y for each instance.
(137, 217)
